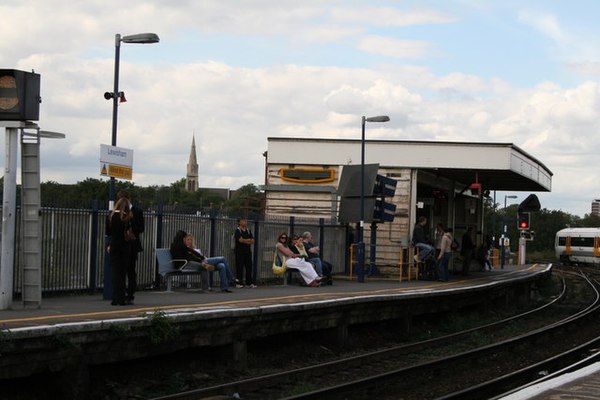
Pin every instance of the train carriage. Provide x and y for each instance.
(578, 246)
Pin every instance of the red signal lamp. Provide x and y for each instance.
(523, 221)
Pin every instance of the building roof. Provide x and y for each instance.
(496, 166)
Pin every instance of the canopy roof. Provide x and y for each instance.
(496, 166)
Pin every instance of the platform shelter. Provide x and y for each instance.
(445, 181)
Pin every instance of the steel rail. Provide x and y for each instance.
(256, 383)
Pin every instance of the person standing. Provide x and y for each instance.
(439, 233)
(445, 254)
(484, 253)
(243, 254)
(137, 225)
(119, 248)
(467, 248)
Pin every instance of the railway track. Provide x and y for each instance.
(422, 364)
(555, 363)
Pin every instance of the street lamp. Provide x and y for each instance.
(502, 255)
(116, 96)
(360, 268)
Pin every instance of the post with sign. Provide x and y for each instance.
(116, 162)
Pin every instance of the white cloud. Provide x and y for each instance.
(392, 47)
(175, 90)
(547, 24)
(388, 16)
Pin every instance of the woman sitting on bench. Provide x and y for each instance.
(180, 251)
(291, 257)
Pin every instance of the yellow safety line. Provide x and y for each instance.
(176, 306)
(154, 308)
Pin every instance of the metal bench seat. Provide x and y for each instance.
(167, 266)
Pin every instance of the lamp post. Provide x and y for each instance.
(360, 267)
(502, 255)
(116, 96)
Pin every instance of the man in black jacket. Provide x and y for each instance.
(136, 246)
(243, 254)
(420, 240)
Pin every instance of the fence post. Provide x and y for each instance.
(213, 233)
(321, 234)
(255, 251)
(292, 224)
(159, 242)
(211, 242)
(94, 247)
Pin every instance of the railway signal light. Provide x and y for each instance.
(523, 220)
(19, 95)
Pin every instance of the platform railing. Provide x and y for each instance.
(73, 244)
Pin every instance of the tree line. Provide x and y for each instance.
(544, 224)
(246, 199)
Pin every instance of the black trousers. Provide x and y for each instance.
(119, 262)
(131, 275)
(243, 268)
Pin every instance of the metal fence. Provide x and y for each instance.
(73, 244)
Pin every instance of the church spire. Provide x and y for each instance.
(191, 178)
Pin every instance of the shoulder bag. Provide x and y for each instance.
(279, 267)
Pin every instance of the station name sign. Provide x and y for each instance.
(116, 162)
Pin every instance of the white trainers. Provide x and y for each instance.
(253, 286)
(416, 258)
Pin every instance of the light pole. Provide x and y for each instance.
(116, 96)
(502, 255)
(360, 267)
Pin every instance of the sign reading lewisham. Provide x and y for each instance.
(116, 162)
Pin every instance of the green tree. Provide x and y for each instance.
(544, 223)
(91, 188)
(590, 220)
(245, 200)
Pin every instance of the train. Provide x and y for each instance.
(578, 246)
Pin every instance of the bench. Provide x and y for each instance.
(167, 268)
(289, 274)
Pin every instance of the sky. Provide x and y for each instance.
(231, 73)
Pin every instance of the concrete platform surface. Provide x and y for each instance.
(69, 309)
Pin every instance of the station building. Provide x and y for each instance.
(445, 181)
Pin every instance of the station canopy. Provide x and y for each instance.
(495, 166)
